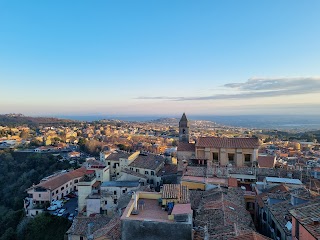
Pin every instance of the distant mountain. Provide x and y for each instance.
(12, 120)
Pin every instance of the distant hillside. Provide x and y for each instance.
(12, 120)
(165, 120)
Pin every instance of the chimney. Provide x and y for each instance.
(89, 235)
(206, 233)
(315, 221)
(135, 201)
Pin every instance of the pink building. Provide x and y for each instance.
(306, 222)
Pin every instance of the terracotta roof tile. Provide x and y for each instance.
(80, 224)
(112, 230)
(148, 161)
(217, 142)
(168, 169)
(306, 215)
(176, 191)
(279, 188)
(266, 161)
(133, 173)
(115, 156)
(57, 181)
(223, 212)
(250, 236)
(186, 147)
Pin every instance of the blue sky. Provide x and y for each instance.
(159, 57)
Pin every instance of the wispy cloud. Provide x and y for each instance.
(258, 88)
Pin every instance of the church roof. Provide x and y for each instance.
(217, 142)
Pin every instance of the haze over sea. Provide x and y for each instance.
(300, 122)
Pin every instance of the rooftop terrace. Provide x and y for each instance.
(149, 209)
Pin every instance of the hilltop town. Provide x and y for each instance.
(170, 178)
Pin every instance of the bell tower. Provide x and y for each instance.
(184, 129)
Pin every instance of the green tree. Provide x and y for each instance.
(47, 227)
(24, 134)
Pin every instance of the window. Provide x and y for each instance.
(57, 191)
(215, 156)
(62, 188)
(114, 192)
(105, 202)
(131, 168)
(146, 172)
(117, 173)
(115, 201)
(247, 157)
(67, 185)
(152, 173)
(231, 158)
(39, 195)
(108, 163)
(81, 238)
(250, 206)
(123, 191)
(76, 181)
(137, 170)
(52, 193)
(264, 216)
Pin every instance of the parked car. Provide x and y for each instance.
(52, 208)
(61, 211)
(55, 213)
(58, 203)
(71, 216)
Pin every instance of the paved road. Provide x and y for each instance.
(71, 205)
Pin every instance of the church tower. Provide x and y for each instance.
(184, 129)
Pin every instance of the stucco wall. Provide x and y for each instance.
(148, 230)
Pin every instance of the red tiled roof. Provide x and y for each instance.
(217, 142)
(148, 161)
(168, 169)
(112, 230)
(278, 188)
(266, 161)
(186, 147)
(133, 173)
(250, 236)
(306, 216)
(57, 181)
(96, 184)
(176, 191)
(80, 224)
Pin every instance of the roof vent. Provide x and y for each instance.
(315, 220)
(135, 212)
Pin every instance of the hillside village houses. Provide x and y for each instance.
(221, 188)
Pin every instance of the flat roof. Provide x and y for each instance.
(283, 180)
(149, 211)
(120, 184)
(182, 209)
